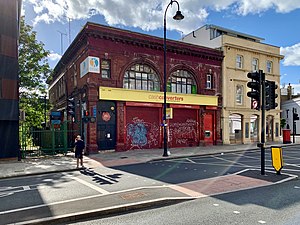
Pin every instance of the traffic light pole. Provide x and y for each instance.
(263, 120)
(294, 125)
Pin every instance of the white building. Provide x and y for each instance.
(288, 107)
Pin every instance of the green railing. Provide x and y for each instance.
(51, 141)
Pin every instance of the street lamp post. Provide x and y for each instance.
(178, 16)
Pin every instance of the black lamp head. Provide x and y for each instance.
(178, 16)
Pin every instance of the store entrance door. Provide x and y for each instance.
(106, 125)
(208, 128)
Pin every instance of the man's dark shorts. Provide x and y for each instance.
(78, 154)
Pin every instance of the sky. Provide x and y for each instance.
(57, 22)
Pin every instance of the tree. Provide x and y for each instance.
(33, 73)
(282, 123)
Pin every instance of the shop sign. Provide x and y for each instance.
(169, 113)
(55, 117)
(90, 65)
(120, 94)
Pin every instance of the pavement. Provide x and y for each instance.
(63, 163)
(124, 201)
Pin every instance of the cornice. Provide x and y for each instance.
(156, 43)
(257, 51)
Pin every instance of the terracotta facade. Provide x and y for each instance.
(124, 121)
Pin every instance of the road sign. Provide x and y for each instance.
(169, 113)
(255, 85)
(254, 104)
(277, 160)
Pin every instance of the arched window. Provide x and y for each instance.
(141, 77)
(239, 94)
(181, 81)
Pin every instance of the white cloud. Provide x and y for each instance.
(245, 7)
(291, 55)
(296, 88)
(54, 56)
(148, 14)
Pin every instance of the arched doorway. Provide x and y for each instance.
(235, 129)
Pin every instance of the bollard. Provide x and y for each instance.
(277, 159)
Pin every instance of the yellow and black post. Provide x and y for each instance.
(277, 159)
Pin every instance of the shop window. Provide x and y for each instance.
(239, 94)
(141, 77)
(246, 130)
(105, 68)
(181, 81)
(277, 130)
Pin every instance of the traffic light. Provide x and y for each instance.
(255, 85)
(71, 107)
(85, 113)
(271, 95)
(295, 116)
(268, 95)
(85, 117)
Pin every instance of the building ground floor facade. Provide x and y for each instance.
(244, 126)
(132, 119)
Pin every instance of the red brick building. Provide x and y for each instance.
(117, 77)
(10, 11)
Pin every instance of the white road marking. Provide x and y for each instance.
(230, 161)
(290, 176)
(262, 221)
(236, 212)
(26, 188)
(188, 159)
(289, 164)
(96, 188)
(90, 197)
(215, 164)
(250, 157)
(6, 191)
(215, 204)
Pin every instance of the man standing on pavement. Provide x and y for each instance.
(79, 147)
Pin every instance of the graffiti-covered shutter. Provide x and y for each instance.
(183, 128)
(142, 127)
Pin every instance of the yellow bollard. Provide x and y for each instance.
(277, 159)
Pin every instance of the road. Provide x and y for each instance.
(274, 205)
(45, 196)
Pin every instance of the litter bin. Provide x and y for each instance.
(286, 134)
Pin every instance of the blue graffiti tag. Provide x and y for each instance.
(137, 133)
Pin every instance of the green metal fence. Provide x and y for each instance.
(51, 141)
